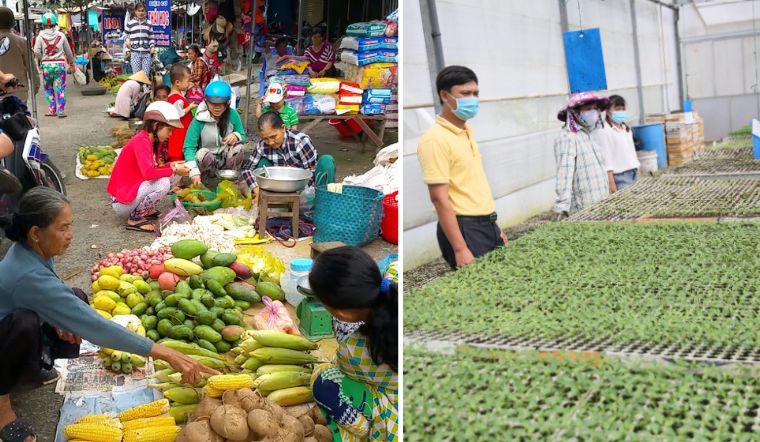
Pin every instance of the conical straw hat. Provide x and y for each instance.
(140, 77)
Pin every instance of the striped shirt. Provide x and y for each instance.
(296, 151)
(318, 60)
(140, 35)
(581, 171)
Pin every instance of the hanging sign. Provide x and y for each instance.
(160, 16)
(113, 23)
(585, 61)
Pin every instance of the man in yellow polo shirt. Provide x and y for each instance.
(453, 170)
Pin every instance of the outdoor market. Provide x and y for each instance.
(600, 284)
(237, 260)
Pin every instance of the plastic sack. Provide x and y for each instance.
(274, 316)
(176, 214)
(367, 29)
(324, 86)
(262, 262)
(378, 96)
(349, 99)
(231, 197)
(79, 76)
(373, 109)
(343, 109)
(317, 105)
(307, 198)
(350, 88)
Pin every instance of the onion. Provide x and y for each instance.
(120, 255)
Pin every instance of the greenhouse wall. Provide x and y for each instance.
(516, 49)
(720, 67)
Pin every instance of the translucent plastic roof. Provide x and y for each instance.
(722, 12)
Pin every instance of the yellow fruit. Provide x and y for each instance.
(126, 288)
(104, 314)
(133, 299)
(91, 158)
(108, 294)
(108, 282)
(115, 271)
(104, 303)
(127, 278)
(121, 309)
(95, 287)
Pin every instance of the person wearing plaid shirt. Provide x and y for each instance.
(280, 146)
(581, 165)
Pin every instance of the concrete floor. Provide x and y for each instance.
(97, 231)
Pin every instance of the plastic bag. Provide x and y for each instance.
(275, 316)
(324, 86)
(231, 196)
(177, 214)
(79, 76)
(307, 198)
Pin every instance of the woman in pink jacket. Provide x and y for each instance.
(141, 177)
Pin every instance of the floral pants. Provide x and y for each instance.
(345, 403)
(149, 196)
(54, 82)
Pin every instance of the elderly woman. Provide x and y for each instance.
(321, 55)
(136, 88)
(42, 319)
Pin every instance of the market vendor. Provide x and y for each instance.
(321, 55)
(131, 92)
(99, 69)
(198, 68)
(141, 177)
(280, 146)
(358, 392)
(42, 319)
(271, 57)
(581, 164)
(275, 100)
(215, 138)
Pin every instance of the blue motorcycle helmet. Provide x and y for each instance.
(218, 92)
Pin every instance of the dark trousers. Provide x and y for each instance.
(27, 344)
(480, 233)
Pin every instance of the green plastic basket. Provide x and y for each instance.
(352, 216)
(208, 206)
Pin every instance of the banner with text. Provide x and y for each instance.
(160, 16)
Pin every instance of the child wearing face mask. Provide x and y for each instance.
(582, 178)
(616, 139)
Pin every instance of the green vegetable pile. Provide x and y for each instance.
(476, 395)
(677, 196)
(732, 155)
(657, 283)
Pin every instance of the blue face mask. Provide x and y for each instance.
(467, 107)
(619, 116)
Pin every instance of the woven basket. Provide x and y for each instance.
(352, 217)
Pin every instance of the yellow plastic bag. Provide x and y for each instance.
(230, 196)
(267, 266)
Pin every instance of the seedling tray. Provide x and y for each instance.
(652, 289)
(671, 196)
(485, 395)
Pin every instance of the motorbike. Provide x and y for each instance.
(28, 163)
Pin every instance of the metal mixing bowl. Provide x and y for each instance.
(228, 174)
(136, 125)
(282, 179)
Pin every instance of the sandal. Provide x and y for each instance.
(51, 115)
(62, 115)
(17, 431)
(153, 216)
(144, 223)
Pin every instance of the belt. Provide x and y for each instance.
(479, 218)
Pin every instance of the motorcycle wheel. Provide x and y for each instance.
(52, 177)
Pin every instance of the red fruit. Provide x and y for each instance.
(241, 270)
(155, 271)
(168, 281)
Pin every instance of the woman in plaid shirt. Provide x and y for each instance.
(280, 146)
(581, 164)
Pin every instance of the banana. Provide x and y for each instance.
(182, 267)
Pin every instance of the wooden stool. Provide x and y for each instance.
(276, 199)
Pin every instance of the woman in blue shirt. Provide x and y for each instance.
(42, 319)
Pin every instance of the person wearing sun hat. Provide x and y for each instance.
(581, 165)
(130, 93)
(274, 100)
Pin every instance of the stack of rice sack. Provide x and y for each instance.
(291, 71)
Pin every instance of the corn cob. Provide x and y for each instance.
(291, 396)
(184, 395)
(241, 358)
(190, 349)
(146, 422)
(163, 375)
(163, 386)
(177, 379)
(161, 365)
(280, 381)
(153, 434)
(212, 392)
(224, 382)
(209, 362)
(151, 409)
(271, 355)
(271, 338)
(274, 368)
(249, 345)
(180, 412)
(252, 364)
(93, 432)
(105, 419)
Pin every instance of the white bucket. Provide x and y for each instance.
(647, 160)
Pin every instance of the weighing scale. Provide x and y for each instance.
(314, 321)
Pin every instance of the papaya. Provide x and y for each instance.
(188, 249)
(199, 306)
(217, 310)
(115, 271)
(172, 300)
(198, 294)
(231, 319)
(242, 292)
(207, 259)
(106, 282)
(189, 323)
(222, 275)
(224, 259)
(224, 302)
(126, 288)
(270, 289)
(133, 299)
(182, 267)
